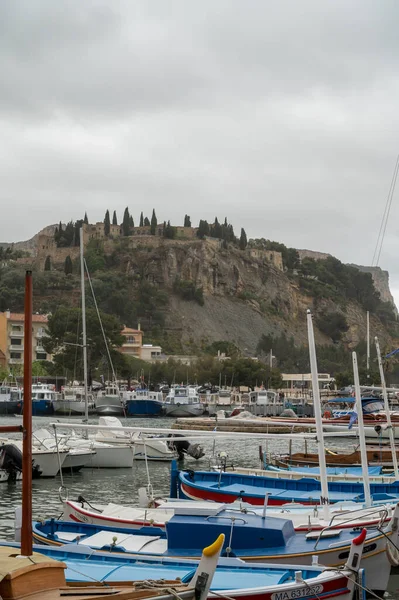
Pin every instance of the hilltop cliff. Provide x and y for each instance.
(190, 292)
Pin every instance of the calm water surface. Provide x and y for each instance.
(121, 485)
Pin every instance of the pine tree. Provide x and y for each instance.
(154, 222)
(107, 223)
(141, 219)
(68, 267)
(114, 219)
(126, 222)
(243, 239)
(146, 222)
(86, 220)
(187, 221)
(47, 264)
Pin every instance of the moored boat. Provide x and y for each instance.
(183, 401)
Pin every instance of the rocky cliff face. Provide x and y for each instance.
(381, 283)
(244, 296)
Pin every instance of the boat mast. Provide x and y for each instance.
(368, 343)
(387, 411)
(363, 450)
(324, 499)
(82, 286)
(26, 532)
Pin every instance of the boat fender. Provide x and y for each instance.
(327, 414)
(392, 553)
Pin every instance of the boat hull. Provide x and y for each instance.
(183, 410)
(111, 457)
(72, 407)
(114, 410)
(143, 408)
(9, 407)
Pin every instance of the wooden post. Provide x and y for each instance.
(26, 532)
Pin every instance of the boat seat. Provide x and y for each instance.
(127, 542)
(68, 536)
(120, 511)
(234, 579)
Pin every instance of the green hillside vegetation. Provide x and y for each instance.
(128, 292)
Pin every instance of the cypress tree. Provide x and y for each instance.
(141, 219)
(203, 229)
(86, 220)
(107, 223)
(47, 264)
(114, 219)
(154, 222)
(68, 267)
(131, 222)
(243, 240)
(146, 222)
(187, 221)
(126, 222)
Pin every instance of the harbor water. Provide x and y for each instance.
(121, 485)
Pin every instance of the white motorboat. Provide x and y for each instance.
(86, 452)
(76, 459)
(109, 402)
(46, 460)
(183, 401)
(150, 447)
(72, 402)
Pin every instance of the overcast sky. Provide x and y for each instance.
(281, 115)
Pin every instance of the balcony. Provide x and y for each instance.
(16, 334)
(16, 347)
(41, 334)
(15, 361)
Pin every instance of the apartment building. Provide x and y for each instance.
(12, 337)
(133, 345)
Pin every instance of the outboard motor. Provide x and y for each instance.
(184, 447)
(11, 462)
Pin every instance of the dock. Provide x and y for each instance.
(254, 425)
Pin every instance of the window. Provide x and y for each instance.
(41, 356)
(16, 342)
(130, 339)
(15, 355)
(16, 328)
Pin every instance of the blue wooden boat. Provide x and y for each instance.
(248, 537)
(227, 487)
(143, 403)
(232, 578)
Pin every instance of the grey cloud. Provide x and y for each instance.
(280, 115)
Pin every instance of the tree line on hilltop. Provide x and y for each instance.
(68, 236)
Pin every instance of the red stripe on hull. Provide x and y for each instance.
(201, 494)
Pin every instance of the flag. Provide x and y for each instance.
(352, 420)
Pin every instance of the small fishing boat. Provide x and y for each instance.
(143, 403)
(183, 401)
(109, 402)
(72, 402)
(43, 398)
(232, 578)
(10, 399)
(249, 537)
(378, 456)
(45, 576)
(228, 487)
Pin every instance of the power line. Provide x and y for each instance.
(384, 221)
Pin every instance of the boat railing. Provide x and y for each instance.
(383, 513)
(232, 518)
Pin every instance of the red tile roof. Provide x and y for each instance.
(35, 318)
(130, 330)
